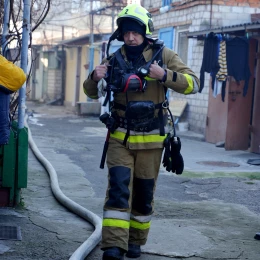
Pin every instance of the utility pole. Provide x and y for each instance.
(24, 60)
(62, 67)
(91, 40)
(91, 23)
(5, 27)
(113, 19)
(91, 37)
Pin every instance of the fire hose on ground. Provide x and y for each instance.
(84, 249)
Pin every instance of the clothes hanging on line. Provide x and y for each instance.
(221, 77)
(238, 60)
(217, 88)
(224, 57)
(210, 58)
(222, 60)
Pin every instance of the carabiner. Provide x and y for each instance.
(165, 104)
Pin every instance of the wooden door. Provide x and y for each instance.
(229, 121)
(255, 133)
(238, 120)
(239, 108)
(216, 124)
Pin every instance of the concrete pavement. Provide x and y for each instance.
(209, 212)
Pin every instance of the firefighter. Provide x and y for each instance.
(138, 75)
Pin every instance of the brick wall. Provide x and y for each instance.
(255, 17)
(153, 6)
(197, 15)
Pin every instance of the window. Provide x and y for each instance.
(95, 6)
(166, 2)
(167, 35)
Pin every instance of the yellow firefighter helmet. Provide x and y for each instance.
(137, 13)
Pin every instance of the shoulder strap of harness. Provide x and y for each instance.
(120, 60)
(158, 46)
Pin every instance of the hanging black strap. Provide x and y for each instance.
(167, 106)
(160, 116)
(107, 98)
(174, 132)
(126, 136)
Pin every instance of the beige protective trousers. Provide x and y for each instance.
(128, 208)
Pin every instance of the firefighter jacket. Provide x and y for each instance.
(179, 78)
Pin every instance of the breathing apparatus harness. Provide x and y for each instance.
(139, 115)
(129, 78)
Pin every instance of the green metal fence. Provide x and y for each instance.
(13, 166)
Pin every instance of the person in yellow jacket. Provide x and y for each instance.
(12, 78)
(138, 118)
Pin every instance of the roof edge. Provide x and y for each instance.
(225, 29)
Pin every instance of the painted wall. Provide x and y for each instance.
(84, 72)
(38, 80)
(45, 81)
(71, 65)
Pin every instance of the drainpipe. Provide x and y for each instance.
(78, 69)
(5, 27)
(210, 21)
(62, 69)
(24, 61)
(91, 42)
(113, 19)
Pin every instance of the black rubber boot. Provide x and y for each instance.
(134, 251)
(113, 253)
